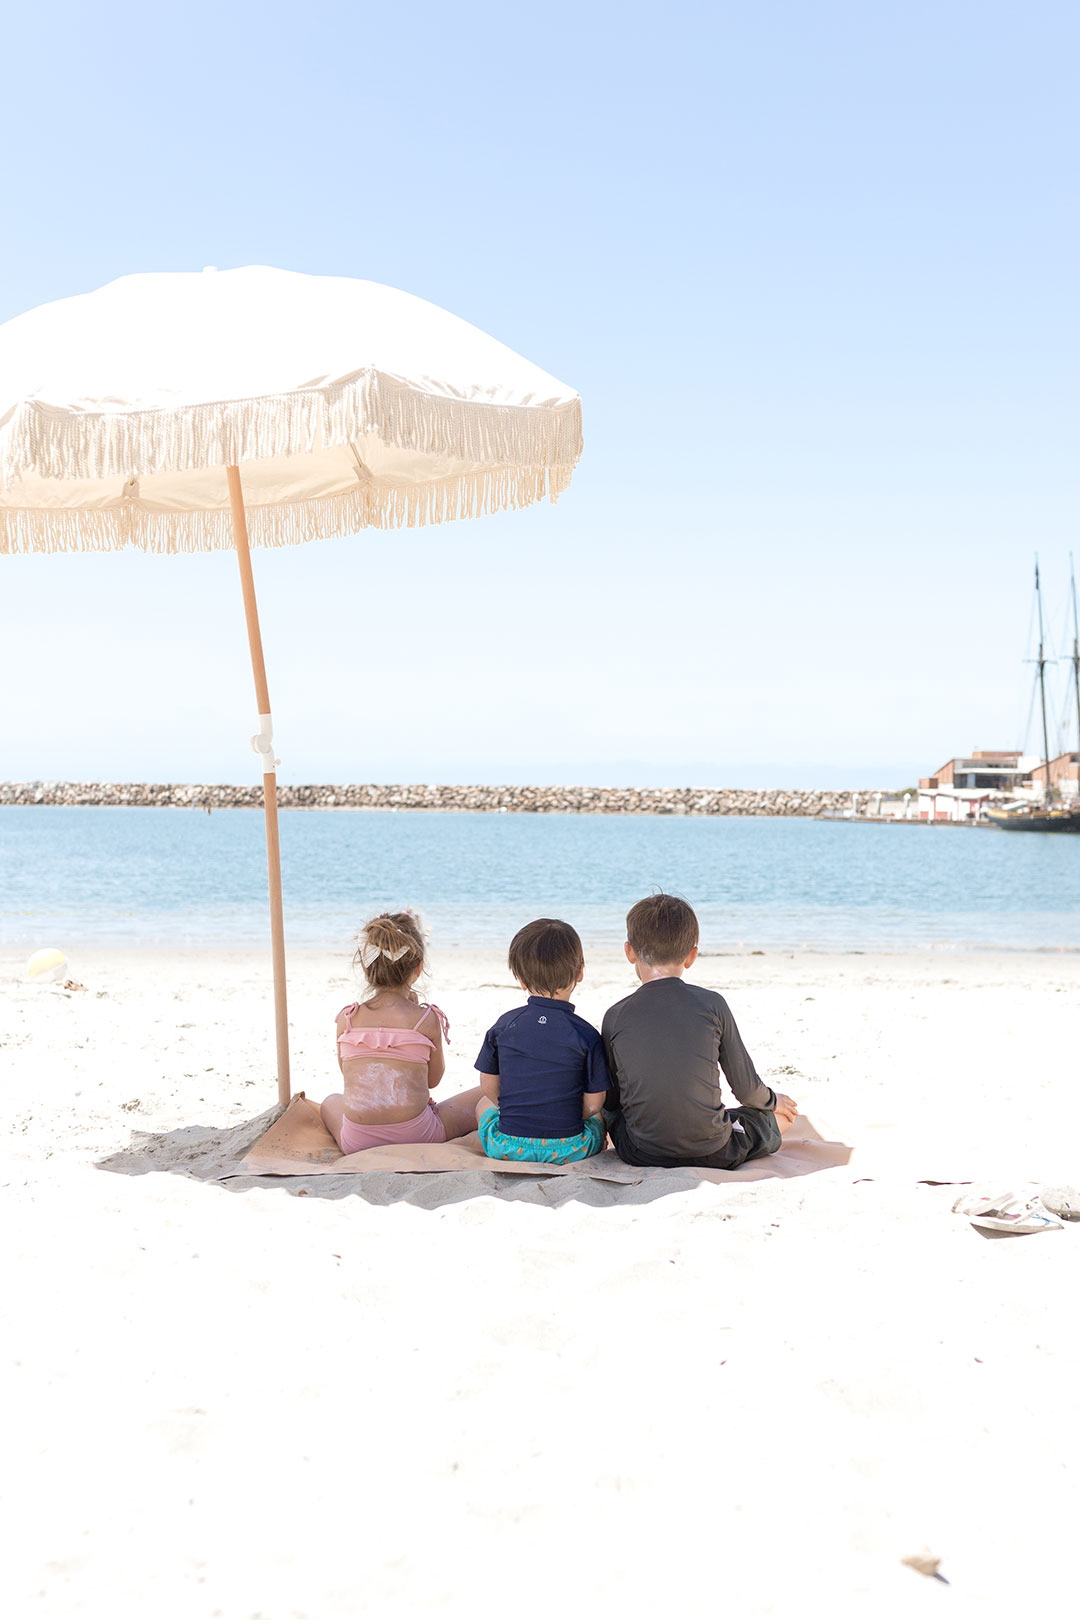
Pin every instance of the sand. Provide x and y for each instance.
(452, 1396)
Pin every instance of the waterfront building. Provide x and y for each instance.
(1003, 769)
(1064, 775)
(962, 788)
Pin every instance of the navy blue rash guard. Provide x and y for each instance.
(546, 1058)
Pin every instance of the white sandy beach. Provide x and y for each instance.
(452, 1396)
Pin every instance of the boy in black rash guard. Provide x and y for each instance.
(665, 1046)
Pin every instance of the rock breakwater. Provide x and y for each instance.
(687, 801)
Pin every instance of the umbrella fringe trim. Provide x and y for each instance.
(63, 444)
(369, 506)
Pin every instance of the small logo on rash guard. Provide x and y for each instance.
(542, 1018)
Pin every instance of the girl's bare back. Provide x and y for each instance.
(387, 1077)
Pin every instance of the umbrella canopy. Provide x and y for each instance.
(349, 405)
(189, 412)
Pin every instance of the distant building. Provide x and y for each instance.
(955, 804)
(961, 789)
(1003, 769)
(1064, 773)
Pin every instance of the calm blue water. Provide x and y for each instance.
(153, 877)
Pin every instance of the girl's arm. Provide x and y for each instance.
(339, 1030)
(431, 1026)
(592, 1102)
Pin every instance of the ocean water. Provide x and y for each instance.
(161, 877)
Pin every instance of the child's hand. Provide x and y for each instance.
(786, 1107)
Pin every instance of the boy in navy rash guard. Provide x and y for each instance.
(542, 1068)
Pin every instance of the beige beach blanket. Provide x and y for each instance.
(298, 1144)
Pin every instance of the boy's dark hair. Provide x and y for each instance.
(662, 930)
(546, 955)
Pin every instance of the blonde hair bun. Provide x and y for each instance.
(390, 948)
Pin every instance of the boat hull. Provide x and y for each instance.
(1056, 821)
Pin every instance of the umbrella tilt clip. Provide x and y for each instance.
(262, 744)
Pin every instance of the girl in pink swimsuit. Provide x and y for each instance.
(390, 1050)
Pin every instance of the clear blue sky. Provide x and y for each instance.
(812, 266)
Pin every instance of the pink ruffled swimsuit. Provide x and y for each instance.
(411, 1047)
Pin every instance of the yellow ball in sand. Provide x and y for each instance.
(45, 967)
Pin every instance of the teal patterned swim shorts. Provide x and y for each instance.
(541, 1149)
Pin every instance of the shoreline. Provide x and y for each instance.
(13, 957)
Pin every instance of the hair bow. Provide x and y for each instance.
(370, 953)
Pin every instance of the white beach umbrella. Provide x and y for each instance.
(191, 412)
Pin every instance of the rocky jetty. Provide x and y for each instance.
(688, 801)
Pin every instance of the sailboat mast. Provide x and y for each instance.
(1076, 667)
(1041, 661)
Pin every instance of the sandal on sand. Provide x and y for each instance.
(1012, 1209)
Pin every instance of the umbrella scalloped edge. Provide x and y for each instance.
(289, 524)
(519, 453)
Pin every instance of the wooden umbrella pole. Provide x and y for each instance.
(273, 846)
